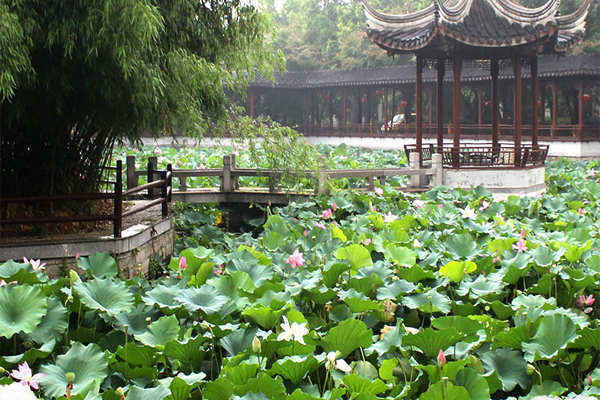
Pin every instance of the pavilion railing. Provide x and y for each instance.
(484, 156)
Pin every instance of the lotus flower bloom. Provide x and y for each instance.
(441, 358)
(295, 331)
(296, 259)
(35, 264)
(580, 212)
(334, 206)
(16, 391)
(219, 269)
(583, 300)
(520, 246)
(440, 206)
(182, 264)
(320, 225)
(389, 217)
(469, 213)
(367, 241)
(157, 150)
(327, 213)
(378, 191)
(418, 203)
(523, 233)
(24, 375)
(334, 363)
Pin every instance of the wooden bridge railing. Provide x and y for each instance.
(117, 195)
(229, 175)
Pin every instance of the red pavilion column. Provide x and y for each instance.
(580, 109)
(535, 86)
(419, 107)
(385, 109)
(252, 105)
(495, 69)
(479, 109)
(441, 70)
(518, 107)
(457, 69)
(554, 108)
(430, 120)
(344, 112)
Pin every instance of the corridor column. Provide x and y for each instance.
(518, 102)
(441, 70)
(457, 69)
(419, 108)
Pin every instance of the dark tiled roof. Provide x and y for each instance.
(549, 67)
(480, 26)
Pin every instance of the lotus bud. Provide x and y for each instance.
(589, 380)
(441, 358)
(256, 347)
(530, 369)
(70, 377)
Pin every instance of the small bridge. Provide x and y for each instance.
(230, 192)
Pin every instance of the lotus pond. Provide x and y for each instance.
(445, 295)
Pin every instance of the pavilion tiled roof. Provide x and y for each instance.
(480, 27)
(549, 67)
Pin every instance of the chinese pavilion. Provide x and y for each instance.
(454, 31)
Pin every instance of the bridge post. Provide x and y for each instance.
(152, 166)
(226, 181)
(132, 180)
(414, 162)
(438, 171)
(323, 186)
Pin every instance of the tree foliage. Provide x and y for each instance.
(74, 78)
(329, 34)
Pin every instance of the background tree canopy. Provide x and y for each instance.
(329, 34)
(76, 76)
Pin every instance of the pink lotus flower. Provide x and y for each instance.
(157, 150)
(589, 380)
(520, 246)
(523, 233)
(3, 283)
(441, 358)
(367, 241)
(334, 206)
(305, 233)
(378, 191)
(320, 225)
(389, 217)
(327, 213)
(418, 203)
(219, 269)
(24, 375)
(496, 260)
(182, 264)
(37, 265)
(580, 212)
(584, 300)
(296, 259)
(440, 206)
